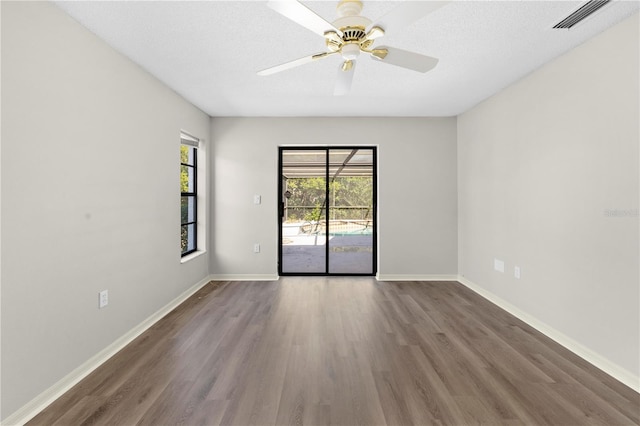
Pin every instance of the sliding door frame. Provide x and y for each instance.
(374, 207)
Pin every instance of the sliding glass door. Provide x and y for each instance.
(327, 211)
(303, 211)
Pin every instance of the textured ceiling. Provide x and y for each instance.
(210, 51)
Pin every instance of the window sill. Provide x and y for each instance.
(192, 256)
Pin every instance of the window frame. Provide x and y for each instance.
(193, 195)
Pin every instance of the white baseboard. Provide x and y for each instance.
(244, 277)
(409, 277)
(604, 364)
(40, 402)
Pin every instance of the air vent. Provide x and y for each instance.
(579, 15)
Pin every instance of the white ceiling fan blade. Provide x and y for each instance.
(345, 78)
(295, 63)
(406, 13)
(302, 15)
(405, 59)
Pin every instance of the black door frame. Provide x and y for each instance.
(327, 149)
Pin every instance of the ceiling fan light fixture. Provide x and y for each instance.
(350, 51)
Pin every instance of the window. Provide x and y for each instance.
(189, 195)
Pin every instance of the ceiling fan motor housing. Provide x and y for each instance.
(353, 39)
(347, 22)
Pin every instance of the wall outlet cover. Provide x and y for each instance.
(103, 299)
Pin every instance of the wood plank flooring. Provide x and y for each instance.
(343, 351)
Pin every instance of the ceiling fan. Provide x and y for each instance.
(352, 34)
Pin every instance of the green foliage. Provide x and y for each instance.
(183, 239)
(351, 197)
(315, 215)
(184, 170)
(307, 193)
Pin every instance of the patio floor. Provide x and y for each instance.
(348, 254)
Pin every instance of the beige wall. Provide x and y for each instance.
(548, 181)
(90, 201)
(416, 194)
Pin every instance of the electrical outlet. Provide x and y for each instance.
(516, 272)
(103, 299)
(256, 248)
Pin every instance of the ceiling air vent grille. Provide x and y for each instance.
(579, 15)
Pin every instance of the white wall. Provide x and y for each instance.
(541, 166)
(417, 190)
(90, 200)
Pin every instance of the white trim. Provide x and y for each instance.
(192, 256)
(188, 139)
(409, 277)
(599, 361)
(40, 402)
(244, 277)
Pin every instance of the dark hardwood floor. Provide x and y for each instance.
(343, 351)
